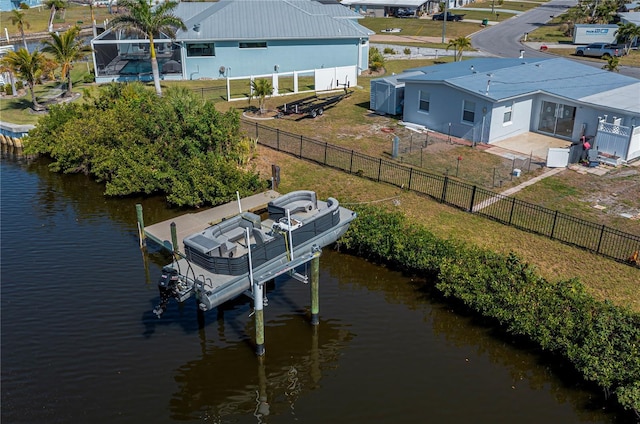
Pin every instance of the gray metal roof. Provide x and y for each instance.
(630, 17)
(395, 79)
(268, 20)
(502, 79)
(390, 3)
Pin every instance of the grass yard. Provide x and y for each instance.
(420, 27)
(604, 279)
(38, 18)
(506, 5)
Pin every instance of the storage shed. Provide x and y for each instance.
(387, 94)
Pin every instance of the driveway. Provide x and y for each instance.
(503, 40)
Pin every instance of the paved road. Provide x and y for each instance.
(504, 40)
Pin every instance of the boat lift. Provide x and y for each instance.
(182, 279)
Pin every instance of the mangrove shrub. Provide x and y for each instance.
(138, 143)
(600, 340)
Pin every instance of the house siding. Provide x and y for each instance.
(288, 55)
(446, 108)
(520, 119)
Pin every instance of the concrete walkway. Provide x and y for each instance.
(517, 188)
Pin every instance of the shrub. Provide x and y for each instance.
(600, 340)
(376, 59)
(407, 50)
(389, 50)
(138, 143)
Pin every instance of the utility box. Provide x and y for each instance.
(587, 34)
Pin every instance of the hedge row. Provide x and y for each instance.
(601, 340)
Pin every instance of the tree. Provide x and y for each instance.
(54, 5)
(28, 67)
(627, 33)
(261, 88)
(376, 59)
(18, 19)
(603, 11)
(146, 20)
(613, 63)
(459, 44)
(6, 69)
(66, 49)
(575, 15)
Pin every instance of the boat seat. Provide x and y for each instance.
(234, 234)
(300, 206)
(260, 237)
(228, 249)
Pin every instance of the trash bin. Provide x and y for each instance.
(485, 22)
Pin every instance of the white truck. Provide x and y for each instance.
(593, 33)
(601, 50)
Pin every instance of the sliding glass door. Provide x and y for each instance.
(557, 119)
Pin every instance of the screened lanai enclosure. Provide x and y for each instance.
(122, 56)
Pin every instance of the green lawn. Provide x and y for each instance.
(38, 18)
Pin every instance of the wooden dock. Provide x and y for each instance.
(193, 222)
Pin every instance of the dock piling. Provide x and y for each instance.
(315, 290)
(140, 225)
(174, 238)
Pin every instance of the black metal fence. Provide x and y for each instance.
(593, 237)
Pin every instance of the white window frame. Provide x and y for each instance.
(508, 110)
(421, 99)
(466, 109)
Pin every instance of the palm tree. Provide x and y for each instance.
(18, 19)
(66, 49)
(6, 69)
(261, 88)
(459, 44)
(627, 33)
(149, 21)
(28, 67)
(613, 63)
(54, 5)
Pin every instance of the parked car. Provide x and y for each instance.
(405, 13)
(450, 17)
(603, 50)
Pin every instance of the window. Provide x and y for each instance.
(468, 111)
(507, 113)
(253, 45)
(200, 49)
(424, 101)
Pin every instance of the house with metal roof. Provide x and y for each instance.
(385, 8)
(486, 100)
(242, 38)
(8, 5)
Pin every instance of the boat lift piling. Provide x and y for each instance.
(315, 291)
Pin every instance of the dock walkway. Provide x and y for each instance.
(190, 223)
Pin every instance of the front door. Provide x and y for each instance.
(557, 119)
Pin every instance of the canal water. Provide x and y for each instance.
(81, 345)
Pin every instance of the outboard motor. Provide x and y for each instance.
(167, 286)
